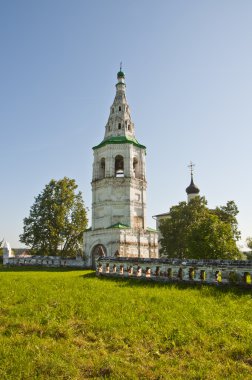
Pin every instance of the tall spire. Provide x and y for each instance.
(119, 122)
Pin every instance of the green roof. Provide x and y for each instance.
(119, 225)
(119, 140)
(151, 229)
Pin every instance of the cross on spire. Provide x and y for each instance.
(191, 166)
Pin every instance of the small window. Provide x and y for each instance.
(113, 110)
(120, 108)
(119, 126)
(129, 128)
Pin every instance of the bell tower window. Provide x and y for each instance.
(119, 125)
(102, 168)
(120, 108)
(135, 167)
(119, 166)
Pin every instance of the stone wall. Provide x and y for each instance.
(47, 261)
(167, 270)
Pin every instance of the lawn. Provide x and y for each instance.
(68, 324)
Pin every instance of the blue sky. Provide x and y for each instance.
(188, 67)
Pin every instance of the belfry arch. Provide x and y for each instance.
(119, 166)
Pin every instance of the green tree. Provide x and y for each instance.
(57, 220)
(249, 242)
(194, 231)
(177, 227)
(228, 215)
(1, 250)
(211, 238)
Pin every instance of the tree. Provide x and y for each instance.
(212, 238)
(249, 242)
(177, 227)
(228, 215)
(57, 220)
(1, 249)
(194, 231)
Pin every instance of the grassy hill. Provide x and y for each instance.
(65, 324)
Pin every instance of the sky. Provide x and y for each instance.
(188, 67)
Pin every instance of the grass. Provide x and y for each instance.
(65, 324)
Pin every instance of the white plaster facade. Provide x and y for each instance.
(7, 252)
(119, 190)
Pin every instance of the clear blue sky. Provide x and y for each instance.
(188, 67)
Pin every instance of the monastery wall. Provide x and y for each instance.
(169, 270)
(47, 261)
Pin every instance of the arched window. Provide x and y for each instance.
(119, 126)
(135, 167)
(120, 108)
(119, 166)
(112, 110)
(129, 127)
(102, 168)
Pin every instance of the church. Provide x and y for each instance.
(119, 190)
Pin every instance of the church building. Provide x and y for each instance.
(119, 190)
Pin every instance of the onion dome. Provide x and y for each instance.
(192, 188)
(120, 74)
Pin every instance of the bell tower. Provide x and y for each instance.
(119, 187)
(119, 183)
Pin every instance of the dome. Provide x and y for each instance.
(120, 74)
(192, 188)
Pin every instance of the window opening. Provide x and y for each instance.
(119, 166)
(102, 167)
(136, 168)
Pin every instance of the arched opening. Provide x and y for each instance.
(120, 108)
(119, 166)
(135, 167)
(102, 168)
(119, 126)
(98, 251)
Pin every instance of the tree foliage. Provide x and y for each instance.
(192, 230)
(57, 220)
(228, 215)
(249, 242)
(1, 248)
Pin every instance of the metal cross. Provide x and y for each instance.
(191, 166)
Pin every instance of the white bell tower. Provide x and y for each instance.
(119, 189)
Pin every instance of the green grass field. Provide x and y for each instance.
(59, 324)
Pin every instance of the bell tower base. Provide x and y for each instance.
(119, 242)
